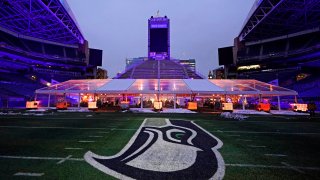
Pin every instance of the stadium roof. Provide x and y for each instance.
(167, 86)
(50, 20)
(273, 18)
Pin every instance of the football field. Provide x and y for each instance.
(52, 146)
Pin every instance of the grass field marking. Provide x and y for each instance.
(254, 146)
(265, 132)
(40, 158)
(117, 129)
(276, 155)
(71, 148)
(28, 174)
(292, 167)
(88, 156)
(84, 141)
(279, 122)
(103, 132)
(221, 164)
(46, 127)
(95, 136)
(63, 160)
(273, 167)
(112, 126)
(247, 140)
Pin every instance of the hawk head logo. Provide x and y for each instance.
(165, 149)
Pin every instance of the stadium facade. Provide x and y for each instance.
(159, 38)
(159, 64)
(40, 44)
(278, 43)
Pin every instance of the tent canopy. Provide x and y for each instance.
(167, 86)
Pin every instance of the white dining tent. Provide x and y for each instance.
(161, 87)
(168, 86)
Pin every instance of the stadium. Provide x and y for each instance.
(40, 44)
(61, 118)
(279, 44)
(161, 82)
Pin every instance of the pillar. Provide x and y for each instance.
(79, 99)
(260, 98)
(279, 105)
(141, 102)
(49, 100)
(243, 103)
(175, 102)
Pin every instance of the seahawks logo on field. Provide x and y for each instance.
(165, 149)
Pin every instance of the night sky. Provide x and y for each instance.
(198, 28)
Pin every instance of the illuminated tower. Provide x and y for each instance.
(159, 38)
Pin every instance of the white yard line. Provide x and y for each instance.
(86, 141)
(28, 174)
(116, 129)
(247, 140)
(40, 158)
(46, 127)
(71, 148)
(276, 155)
(292, 167)
(254, 146)
(273, 167)
(103, 132)
(228, 165)
(278, 122)
(96, 136)
(236, 135)
(264, 132)
(63, 160)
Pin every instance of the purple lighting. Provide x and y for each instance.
(159, 38)
(45, 20)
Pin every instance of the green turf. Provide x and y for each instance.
(296, 137)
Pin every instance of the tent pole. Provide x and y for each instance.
(79, 99)
(279, 105)
(175, 101)
(260, 98)
(295, 99)
(49, 100)
(141, 102)
(243, 103)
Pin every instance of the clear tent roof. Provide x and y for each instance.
(167, 86)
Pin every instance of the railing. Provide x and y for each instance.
(39, 55)
(281, 54)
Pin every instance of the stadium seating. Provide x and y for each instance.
(38, 48)
(293, 46)
(21, 59)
